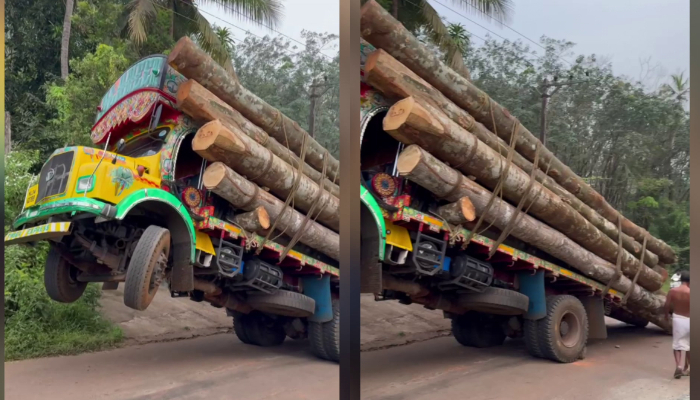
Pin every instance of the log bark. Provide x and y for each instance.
(383, 31)
(191, 61)
(460, 212)
(396, 82)
(412, 121)
(214, 142)
(246, 195)
(257, 221)
(425, 170)
(203, 106)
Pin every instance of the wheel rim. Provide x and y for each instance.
(569, 330)
(158, 272)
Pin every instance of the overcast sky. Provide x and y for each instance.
(623, 31)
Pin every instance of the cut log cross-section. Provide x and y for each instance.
(395, 81)
(203, 106)
(214, 142)
(246, 195)
(381, 30)
(460, 212)
(425, 170)
(191, 61)
(256, 221)
(412, 121)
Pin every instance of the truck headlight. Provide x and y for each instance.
(85, 184)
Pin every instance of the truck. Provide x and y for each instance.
(133, 210)
(490, 289)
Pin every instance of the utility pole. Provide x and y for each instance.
(315, 93)
(545, 94)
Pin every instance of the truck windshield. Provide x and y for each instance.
(146, 145)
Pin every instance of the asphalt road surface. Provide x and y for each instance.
(213, 367)
(640, 369)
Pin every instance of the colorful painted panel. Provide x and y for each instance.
(144, 74)
(134, 108)
(173, 80)
(182, 124)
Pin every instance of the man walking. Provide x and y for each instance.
(678, 304)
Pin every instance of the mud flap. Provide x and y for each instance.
(596, 317)
(320, 291)
(532, 286)
(182, 276)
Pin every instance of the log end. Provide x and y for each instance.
(408, 112)
(183, 92)
(263, 217)
(214, 133)
(468, 209)
(213, 175)
(409, 159)
(181, 46)
(371, 60)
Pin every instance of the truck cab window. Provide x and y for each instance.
(146, 145)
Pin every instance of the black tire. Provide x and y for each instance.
(283, 302)
(60, 279)
(147, 267)
(478, 330)
(496, 301)
(264, 331)
(563, 332)
(324, 337)
(239, 327)
(532, 342)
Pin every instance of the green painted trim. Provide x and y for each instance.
(90, 189)
(162, 196)
(371, 204)
(78, 204)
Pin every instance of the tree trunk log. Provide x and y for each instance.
(257, 221)
(384, 73)
(244, 194)
(412, 121)
(425, 170)
(214, 142)
(458, 213)
(383, 31)
(194, 63)
(203, 106)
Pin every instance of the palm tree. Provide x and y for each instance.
(418, 15)
(187, 20)
(679, 89)
(65, 38)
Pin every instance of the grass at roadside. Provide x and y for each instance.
(36, 326)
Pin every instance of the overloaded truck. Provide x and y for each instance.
(155, 200)
(465, 211)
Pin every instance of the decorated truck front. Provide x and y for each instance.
(133, 210)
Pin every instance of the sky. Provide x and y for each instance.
(623, 31)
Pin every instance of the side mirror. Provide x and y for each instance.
(120, 146)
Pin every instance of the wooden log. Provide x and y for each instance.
(191, 61)
(460, 212)
(425, 170)
(214, 142)
(395, 81)
(246, 195)
(203, 106)
(413, 121)
(380, 29)
(257, 221)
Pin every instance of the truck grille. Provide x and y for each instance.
(54, 175)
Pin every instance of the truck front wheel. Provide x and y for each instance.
(60, 279)
(563, 333)
(147, 267)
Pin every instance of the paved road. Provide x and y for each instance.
(640, 369)
(213, 367)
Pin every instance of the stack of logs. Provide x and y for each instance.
(259, 160)
(452, 130)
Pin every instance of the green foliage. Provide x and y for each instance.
(34, 324)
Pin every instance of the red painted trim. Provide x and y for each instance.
(162, 93)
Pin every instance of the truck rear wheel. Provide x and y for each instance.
(262, 330)
(495, 300)
(563, 332)
(532, 341)
(239, 327)
(60, 279)
(478, 330)
(324, 337)
(147, 267)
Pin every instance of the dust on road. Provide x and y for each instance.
(640, 369)
(214, 367)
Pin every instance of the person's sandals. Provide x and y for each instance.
(686, 372)
(678, 373)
